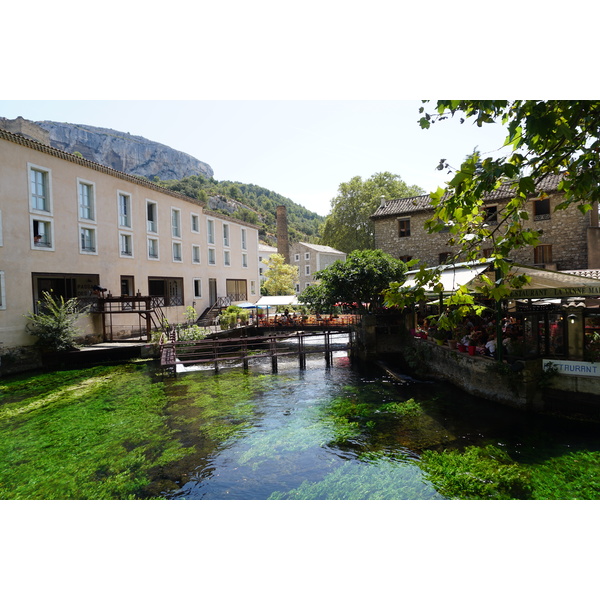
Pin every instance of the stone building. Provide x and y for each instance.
(310, 258)
(69, 225)
(570, 240)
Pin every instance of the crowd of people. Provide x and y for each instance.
(481, 333)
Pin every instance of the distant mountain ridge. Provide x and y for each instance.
(174, 170)
(124, 152)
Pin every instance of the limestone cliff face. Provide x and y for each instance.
(131, 154)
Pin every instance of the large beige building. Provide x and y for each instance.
(68, 224)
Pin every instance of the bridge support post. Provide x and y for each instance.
(273, 349)
(245, 353)
(327, 349)
(301, 353)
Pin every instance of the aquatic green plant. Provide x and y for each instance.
(219, 406)
(575, 475)
(89, 434)
(476, 473)
(384, 479)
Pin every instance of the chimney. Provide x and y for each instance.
(282, 233)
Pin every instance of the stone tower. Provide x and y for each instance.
(283, 246)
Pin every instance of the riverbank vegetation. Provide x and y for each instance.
(121, 432)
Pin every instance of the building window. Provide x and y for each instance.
(307, 269)
(443, 257)
(2, 292)
(195, 223)
(253, 287)
(541, 209)
(39, 189)
(212, 256)
(244, 240)
(196, 255)
(487, 252)
(225, 234)
(124, 210)
(244, 260)
(87, 238)
(153, 248)
(307, 256)
(542, 254)
(175, 223)
(226, 258)
(41, 234)
(86, 201)
(176, 251)
(210, 231)
(491, 214)
(197, 288)
(405, 258)
(126, 244)
(297, 257)
(403, 228)
(151, 217)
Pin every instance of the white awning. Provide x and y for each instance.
(276, 301)
(544, 283)
(451, 277)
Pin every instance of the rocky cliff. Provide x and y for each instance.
(131, 154)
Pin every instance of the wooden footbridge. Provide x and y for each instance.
(273, 343)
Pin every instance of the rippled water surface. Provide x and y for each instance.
(329, 433)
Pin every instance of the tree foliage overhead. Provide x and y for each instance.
(280, 277)
(348, 227)
(358, 281)
(543, 137)
(257, 205)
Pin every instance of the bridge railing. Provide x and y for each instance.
(308, 321)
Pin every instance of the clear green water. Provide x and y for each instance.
(340, 433)
(316, 433)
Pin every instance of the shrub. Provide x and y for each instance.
(229, 317)
(54, 323)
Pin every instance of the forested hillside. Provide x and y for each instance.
(250, 203)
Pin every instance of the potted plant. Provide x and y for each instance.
(440, 336)
(472, 347)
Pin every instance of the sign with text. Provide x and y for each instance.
(590, 290)
(573, 367)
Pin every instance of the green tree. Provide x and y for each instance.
(358, 281)
(348, 227)
(543, 137)
(280, 277)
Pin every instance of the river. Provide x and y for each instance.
(341, 432)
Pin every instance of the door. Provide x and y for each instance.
(212, 291)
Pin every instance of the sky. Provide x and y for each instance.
(302, 150)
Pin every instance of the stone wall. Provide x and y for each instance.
(566, 230)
